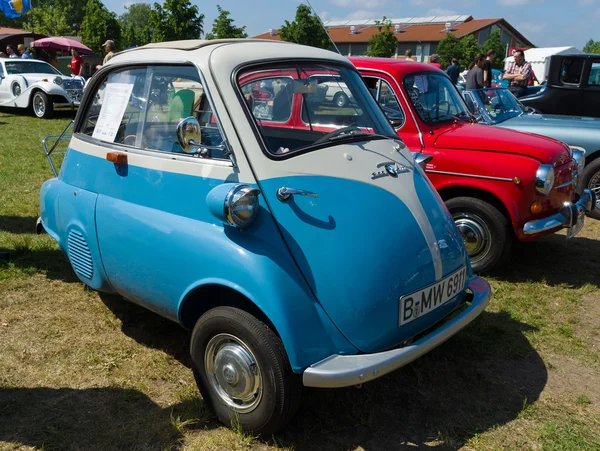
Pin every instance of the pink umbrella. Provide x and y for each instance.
(60, 43)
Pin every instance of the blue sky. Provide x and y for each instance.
(547, 23)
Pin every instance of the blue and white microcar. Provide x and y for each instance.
(213, 183)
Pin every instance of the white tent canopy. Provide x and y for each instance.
(538, 58)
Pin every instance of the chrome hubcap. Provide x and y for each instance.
(475, 235)
(341, 101)
(233, 372)
(595, 187)
(38, 105)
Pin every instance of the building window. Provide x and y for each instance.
(483, 36)
(359, 48)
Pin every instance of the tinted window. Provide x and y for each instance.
(141, 108)
(571, 71)
(29, 67)
(386, 97)
(595, 74)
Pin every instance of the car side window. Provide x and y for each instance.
(387, 100)
(571, 70)
(270, 98)
(141, 108)
(594, 78)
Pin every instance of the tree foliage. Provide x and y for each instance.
(592, 47)
(135, 27)
(470, 49)
(98, 25)
(384, 43)
(449, 48)
(51, 21)
(223, 27)
(494, 43)
(175, 20)
(306, 29)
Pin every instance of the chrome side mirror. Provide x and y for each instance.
(421, 159)
(188, 134)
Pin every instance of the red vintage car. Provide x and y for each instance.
(499, 185)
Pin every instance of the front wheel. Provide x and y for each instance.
(41, 105)
(591, 179)
(340, 99)
(242, 370)
(484, 230)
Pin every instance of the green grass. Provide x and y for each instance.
(79, 370)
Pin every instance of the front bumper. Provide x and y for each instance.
(346, 370)
(566, 216)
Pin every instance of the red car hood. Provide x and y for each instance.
(493, 139)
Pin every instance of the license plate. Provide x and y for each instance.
(419, 303)
(572, 231)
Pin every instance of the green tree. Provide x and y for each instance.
(384, 43)
(469, 49)
(449, 48)
(306, 29)
(223, 27)
(494, 43)
(98, 25)
(51, 21)
(592, 47)
(175, 20)
(135, 27)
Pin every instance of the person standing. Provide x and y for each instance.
(408, 55)
(453, 71)
(109, 48)
(518, 74)
(12, 52)
(76, 65)
(434, 60)
(475, 74)
(24, 52)
(487, 69)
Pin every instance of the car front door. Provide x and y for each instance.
(151, 215)
(591, 89)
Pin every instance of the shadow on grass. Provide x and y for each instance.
(59, 113)
(90, 419)
(555, 260)
(49, 261)
(477, 380)
(18, 224)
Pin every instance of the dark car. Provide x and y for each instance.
(572, 88)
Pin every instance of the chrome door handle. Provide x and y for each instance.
(284, 193)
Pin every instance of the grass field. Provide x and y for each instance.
(84, 371)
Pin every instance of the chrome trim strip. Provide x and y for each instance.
(346, 370)
(487, 177)
(571, 182)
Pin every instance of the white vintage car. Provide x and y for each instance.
(35, 84)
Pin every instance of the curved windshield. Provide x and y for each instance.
(29, 67)
(494, 105)
(298, 106)
(434, 97)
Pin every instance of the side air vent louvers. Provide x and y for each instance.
(79, 255)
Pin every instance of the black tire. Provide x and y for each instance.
(485, 231)
(280, 387)
(340, 99)
(591, 179)
(41, 105)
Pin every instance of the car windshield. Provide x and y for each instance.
(434, 97)
(302, 106)
(493, 105)
(29, 67)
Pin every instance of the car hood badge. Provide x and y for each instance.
(389, 168)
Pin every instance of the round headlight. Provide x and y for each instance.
(544, 179)
(58, 81)
(579, 158)
(16, 89)
(241, 205)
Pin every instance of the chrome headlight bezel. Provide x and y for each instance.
(579, 158)
(544, 179)
(250, 210)
(58, 81)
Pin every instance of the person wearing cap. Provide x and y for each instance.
(24, 52)
(109, 47)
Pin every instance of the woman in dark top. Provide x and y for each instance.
(475, 74)
(487, 69)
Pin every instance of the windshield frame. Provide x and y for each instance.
(304, 63)
(453, 89)
(483, 112)
(30, 61)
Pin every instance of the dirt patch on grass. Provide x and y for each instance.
(588, 327)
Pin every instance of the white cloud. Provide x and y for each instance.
(531, 27)
(586, 2)
(512, 2)
(358, 3)
(324, 15)
(441, 12)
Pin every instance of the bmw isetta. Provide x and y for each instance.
(319, 257)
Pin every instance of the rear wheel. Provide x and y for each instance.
(41, 105)
(485, 231)
(340, 99)
(591, 179)
(242, 370)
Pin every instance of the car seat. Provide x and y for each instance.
(182, 105)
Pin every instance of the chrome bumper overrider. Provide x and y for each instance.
(345, 370)
(566, 217)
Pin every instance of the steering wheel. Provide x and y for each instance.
(129, 140)
(335, 133)
(436, 107)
